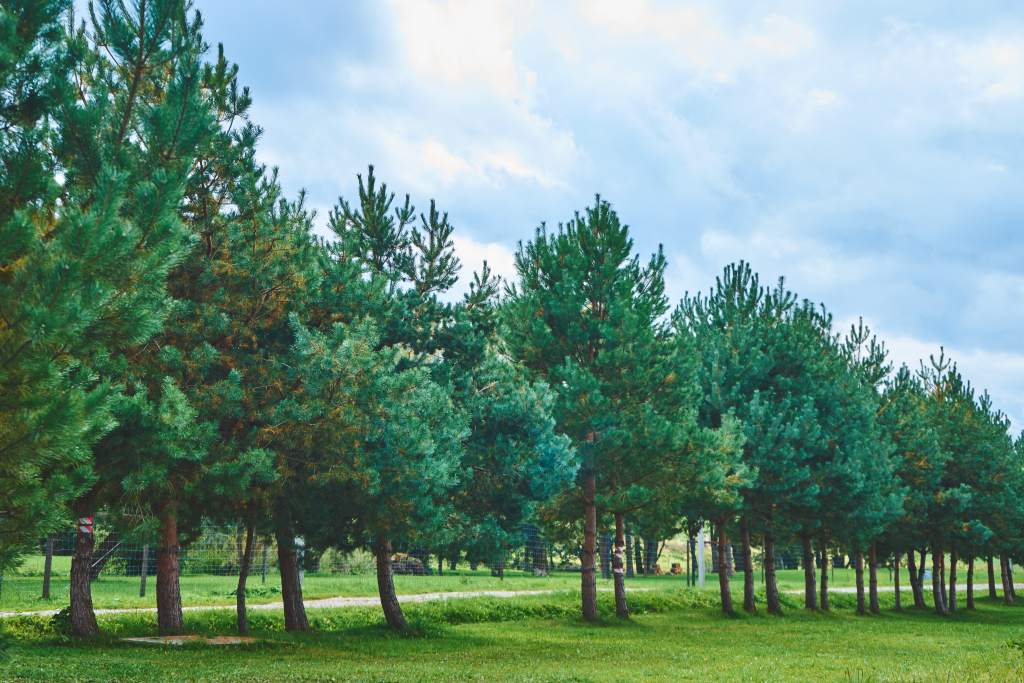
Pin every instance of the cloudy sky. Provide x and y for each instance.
(869, 151)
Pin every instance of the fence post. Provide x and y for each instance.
(142, 573)
(47, 566)
(264, 561)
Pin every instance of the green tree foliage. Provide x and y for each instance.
(585, 317)
(98, 140)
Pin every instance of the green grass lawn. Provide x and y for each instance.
(676, 635)
(21, 593)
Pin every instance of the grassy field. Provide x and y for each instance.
(674, 635)
(21, 593)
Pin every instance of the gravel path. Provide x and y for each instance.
(425, 597)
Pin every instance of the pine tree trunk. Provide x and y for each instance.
(749, 601)
(143, 571)
(896, 582)
(621, 608)
(386, 587)
(970, 583)
(606, 565)
(771, 584)
(723, 568)
(243, 575)
(638, 552)
(169, 616)
(952, 577)
(588, 588)
(1004, 566)
(992, 579)
(629, 557)
(810, 580)
(860, 582)
(940, 604)
(83, 618)
(872, 573)
(291, 586)
(942, 580)
(824, 573)
(47, 566)
(916, 579)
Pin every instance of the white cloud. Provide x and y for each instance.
(465, 42)
(782, 36)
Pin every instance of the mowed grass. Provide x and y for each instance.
(22, 593)
(674, 635)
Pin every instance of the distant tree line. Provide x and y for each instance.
(177, 345)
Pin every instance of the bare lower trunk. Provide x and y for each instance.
(952, 578)
(83, 618)
(723, 569)
(1004, 566)
(940, 604)
(915, 579)
(896, 582)
(169, 616)
(771, 584)
(243, 575)
(810, 580)
(621, 608)
(291, 585)
(873, 579)
(588, 589)
(47, 566)
(143, 571)
(991, 578)
(824, 572)
(386, 586)
(942, 580)
(970, 583)
(749, 602)
(859, 555)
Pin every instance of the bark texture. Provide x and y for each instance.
(940, 604)
(243, 575)
(723, 569)
(1004, 567)
(860, 582)
(824, 573)
(83, 618)
(810, 580)
(873, 580)
(47, 566)
(896, 582)
(386, 587)
(749, 602)
(588, 588)
(951, 602)
(169, 616)
(291, 586)
(770, 582)
(970, 583)
(991, 578)
(621, 608)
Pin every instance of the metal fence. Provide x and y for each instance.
(124, 568)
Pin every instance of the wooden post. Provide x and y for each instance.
(145, 569)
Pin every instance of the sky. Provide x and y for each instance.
(870, 152)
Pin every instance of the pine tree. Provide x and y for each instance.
(585, 318)
(119, 114)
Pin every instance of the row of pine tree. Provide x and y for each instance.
(177, 345)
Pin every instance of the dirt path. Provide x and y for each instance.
(370, 601)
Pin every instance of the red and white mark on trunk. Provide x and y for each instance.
(85, 525)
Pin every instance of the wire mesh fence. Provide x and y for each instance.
(124, 569)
